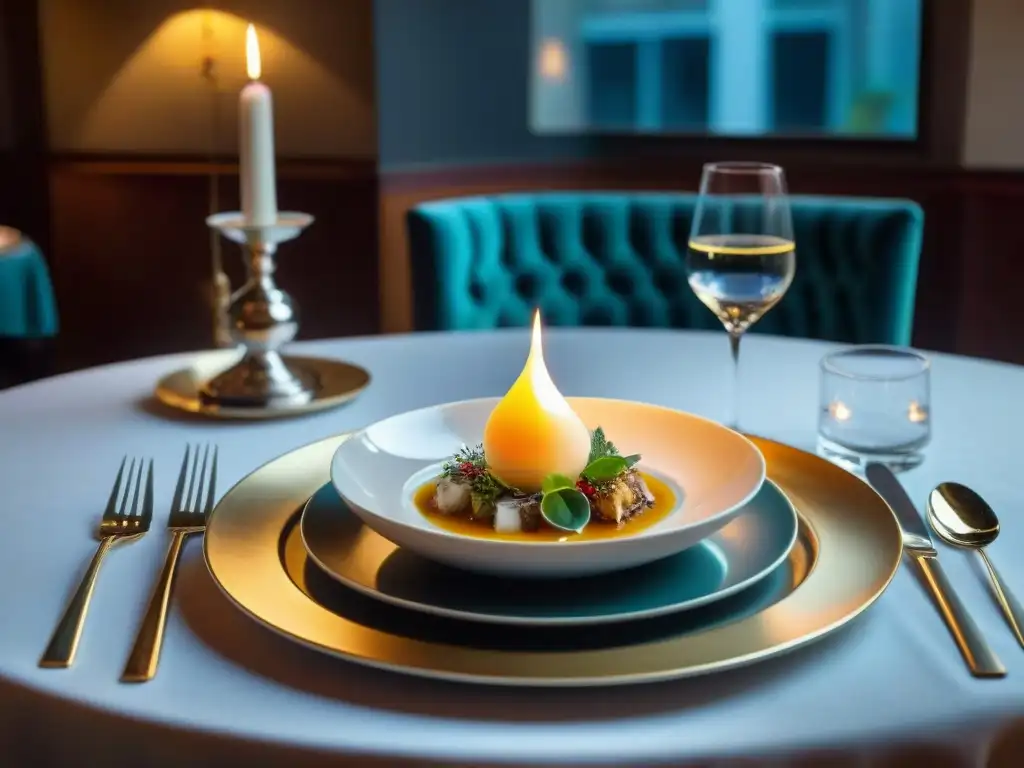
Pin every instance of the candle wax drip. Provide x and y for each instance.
(533, 431)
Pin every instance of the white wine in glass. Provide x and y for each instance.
(741, 257)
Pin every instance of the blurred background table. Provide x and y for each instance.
(28, 310)
(890, 690)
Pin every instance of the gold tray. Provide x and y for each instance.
(338, 383)
(848, 552)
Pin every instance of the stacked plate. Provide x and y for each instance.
(764, 548)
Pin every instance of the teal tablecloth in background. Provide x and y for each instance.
(27, 305)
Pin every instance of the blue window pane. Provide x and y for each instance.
(728, 67)
(800, 57)
(612, 85)
(684, 84)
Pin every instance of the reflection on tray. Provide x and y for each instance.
(420, 626)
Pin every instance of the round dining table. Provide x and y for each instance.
(889, 689)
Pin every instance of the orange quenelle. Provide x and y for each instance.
(533, 431)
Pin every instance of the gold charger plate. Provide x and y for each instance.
(850, 547)
(338, 381)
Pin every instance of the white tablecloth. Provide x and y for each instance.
(889, 690)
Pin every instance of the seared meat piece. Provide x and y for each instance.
(626, 497)
(529, 514)
(518, 513)
(613, 502)
(636, 481)
(453, 497)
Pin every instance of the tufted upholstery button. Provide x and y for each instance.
(621, 280)
(619, 259)
(574, 281)
(527, 285)
(670, 279)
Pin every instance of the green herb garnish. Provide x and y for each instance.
(605, 469)
(484, 488)
(556, 482)
(566, 509)
(605, 465)
(600, 446)
(564, 502)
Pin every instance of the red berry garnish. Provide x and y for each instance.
(468, 469)
(585, 488)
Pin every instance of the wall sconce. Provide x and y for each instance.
(554, 59)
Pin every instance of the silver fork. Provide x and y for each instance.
(126, 521)
(189, 511)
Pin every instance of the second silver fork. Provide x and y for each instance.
(193, 502)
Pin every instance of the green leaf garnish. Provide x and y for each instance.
(600, 446)
(566, 509)
(604, 469)
(562, 505)
(556, 482)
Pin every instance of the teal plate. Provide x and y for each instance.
(740, 555)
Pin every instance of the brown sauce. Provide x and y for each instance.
(664, 503)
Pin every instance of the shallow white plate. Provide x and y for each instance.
(714, 471)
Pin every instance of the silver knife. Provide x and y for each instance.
(918, 545)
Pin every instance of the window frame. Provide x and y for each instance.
(944, 58)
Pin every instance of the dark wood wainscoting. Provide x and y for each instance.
(131, 257)
(131, 254)
(972, 262)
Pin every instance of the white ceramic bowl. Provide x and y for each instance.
(714, 471)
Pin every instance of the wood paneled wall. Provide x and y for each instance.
(131, 260)
(131, 253)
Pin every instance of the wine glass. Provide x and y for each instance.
(741, 257)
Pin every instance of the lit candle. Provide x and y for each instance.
(533, 431)
(256, 142)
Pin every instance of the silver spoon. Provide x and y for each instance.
(961, 517)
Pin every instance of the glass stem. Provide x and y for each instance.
(734, 403)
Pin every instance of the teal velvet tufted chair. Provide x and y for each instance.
(618, 259)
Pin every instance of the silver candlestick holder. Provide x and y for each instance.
(263, 383)
(261, 319)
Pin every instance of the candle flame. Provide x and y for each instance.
(253, 64)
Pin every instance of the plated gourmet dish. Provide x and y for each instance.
(541, 473)
(467, 498)
(526, 485)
